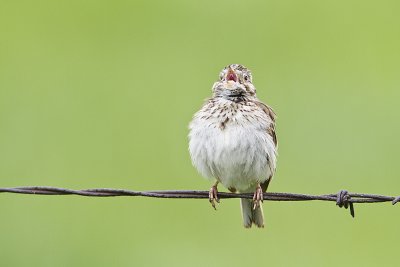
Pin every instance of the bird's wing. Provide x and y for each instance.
(270, 112)
(271, 131)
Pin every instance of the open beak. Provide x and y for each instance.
(231, 76)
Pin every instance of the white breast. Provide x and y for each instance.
(239, 153)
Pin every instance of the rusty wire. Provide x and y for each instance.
(342, 199)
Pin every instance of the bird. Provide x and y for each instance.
(232, 141)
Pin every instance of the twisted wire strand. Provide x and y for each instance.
(343, 198)
(193, 194)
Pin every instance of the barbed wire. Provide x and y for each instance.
(343, 198)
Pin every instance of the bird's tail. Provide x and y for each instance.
(251, 215)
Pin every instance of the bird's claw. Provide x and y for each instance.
(258, 197)
(213, 196)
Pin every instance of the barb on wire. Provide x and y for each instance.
(342, 199)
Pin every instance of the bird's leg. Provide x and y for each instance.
(258, 197)
(213, 195)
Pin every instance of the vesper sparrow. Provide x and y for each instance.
(232, 141)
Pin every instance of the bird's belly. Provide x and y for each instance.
(238, 157)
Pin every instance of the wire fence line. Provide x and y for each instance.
(343, 198)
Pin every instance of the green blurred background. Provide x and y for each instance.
(100, 93)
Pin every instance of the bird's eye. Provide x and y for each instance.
(246, 78)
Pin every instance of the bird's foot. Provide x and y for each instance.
(213, 195)
(258, 197)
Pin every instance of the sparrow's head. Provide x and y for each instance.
(235, 83)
